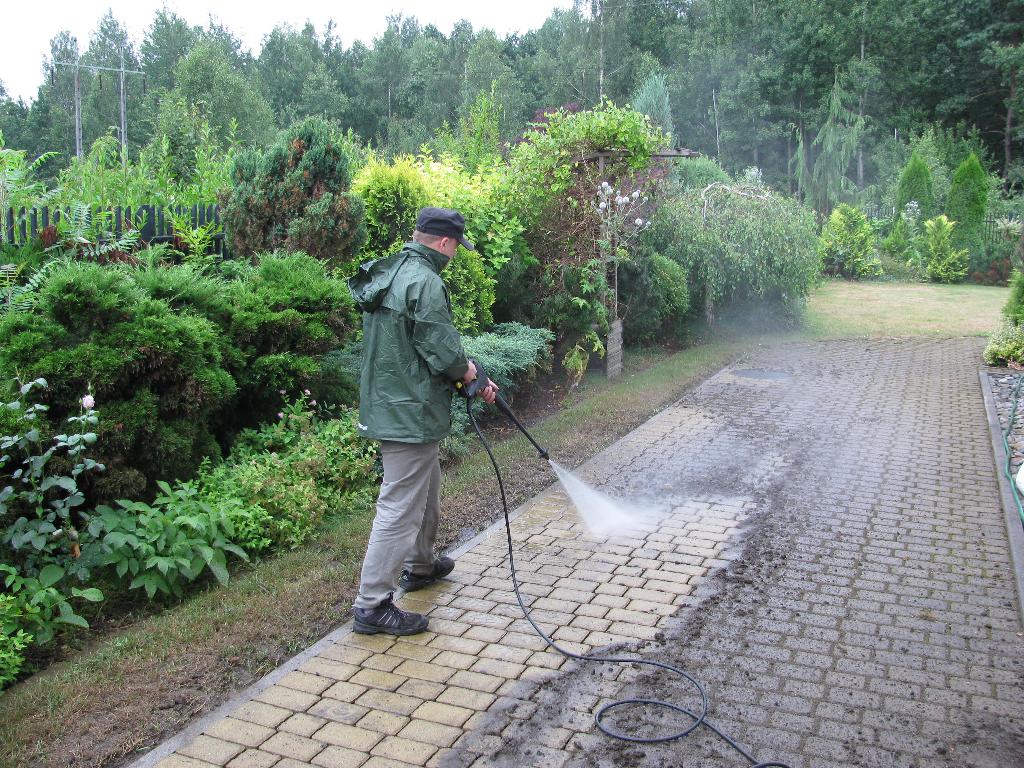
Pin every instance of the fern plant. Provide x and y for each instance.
(90, 236)
(21, 297)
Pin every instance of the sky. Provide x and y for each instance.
(27, 32)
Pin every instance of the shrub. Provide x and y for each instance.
(1006, 345)
(43, 603)
(285, 316)
(847, 244)
(392, 194)
(43, 497)
(739, 244)
(1014, 309)
(966, 205)
(695, 173)
(656, 296)
(563, 284)
(159, 374)
(301, 468)
(944, 263)
(915, 184)
(295, 196)
(13, 640)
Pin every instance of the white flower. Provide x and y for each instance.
(606, 186)
(639, 222)
(280, 391)
(280, 415)
(305, 392)
(88, 402)
(636, 193)
(602, 205)
(312, 402)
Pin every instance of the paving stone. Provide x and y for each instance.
(254, 758)
(431, 732)
(240, 732)
(339, 757)
(348, 736)
(262, 714)
(212, 750)
(292, 746)
(303, 724)
(405, 750)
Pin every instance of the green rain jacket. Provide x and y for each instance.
(411, 351)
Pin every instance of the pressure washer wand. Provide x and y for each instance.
(471, 390)
(504, 407)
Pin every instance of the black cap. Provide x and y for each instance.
(443, 222)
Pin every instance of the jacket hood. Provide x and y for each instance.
(372, 282)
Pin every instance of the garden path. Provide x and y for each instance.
(833, 564)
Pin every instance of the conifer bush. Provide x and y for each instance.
(392, 194)
(944, 262)
(295, 196)
(847, 244)
(916, 185)
(966, 205)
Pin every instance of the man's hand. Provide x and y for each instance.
(489, 392)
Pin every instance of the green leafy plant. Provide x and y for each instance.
(18, 186)
(197, 241)
(43, 500)
(89, 234)
(847, 244)
(43, 606)
(13, 640)
(165, 545)
(944, 262)
(1006, 346)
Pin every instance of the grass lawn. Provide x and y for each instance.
(143, 681)
(841, 308)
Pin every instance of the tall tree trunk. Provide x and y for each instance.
(1007, 136)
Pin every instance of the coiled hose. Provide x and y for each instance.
(697, 718)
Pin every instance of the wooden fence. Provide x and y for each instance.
(153, 222)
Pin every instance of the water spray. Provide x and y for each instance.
(697, 718)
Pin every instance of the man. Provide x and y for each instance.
(412, 355)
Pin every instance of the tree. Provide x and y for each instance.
(651, 99)
(916, 185)
(966, 205)
(168, 39)
(285, 64)
(206, 78)
(836, 142)
(295, 196)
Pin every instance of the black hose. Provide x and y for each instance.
(698, 718)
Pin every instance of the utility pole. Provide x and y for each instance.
(78, 66)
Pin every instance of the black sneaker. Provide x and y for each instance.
(389, 618)
(410, 582)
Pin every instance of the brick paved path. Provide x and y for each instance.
(833, 565)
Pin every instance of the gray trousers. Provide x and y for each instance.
(405, 526)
